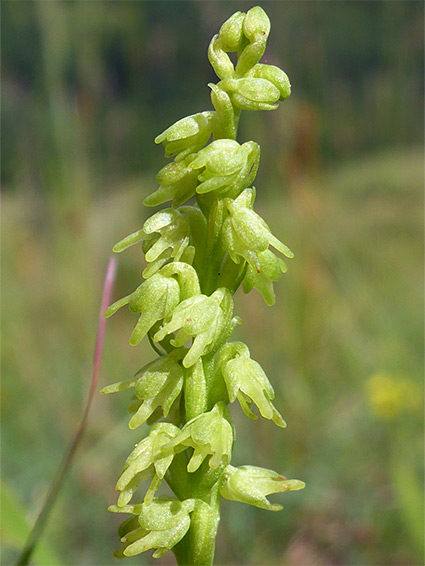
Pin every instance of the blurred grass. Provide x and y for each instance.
(86, 88)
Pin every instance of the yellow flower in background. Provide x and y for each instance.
(390, 395)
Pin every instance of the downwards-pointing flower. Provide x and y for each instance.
(159, 525)
(202, 318)
(147, 460)
(250, 484)
(246, 381)
(209, 433)
(165, 235)
(245, 234)
(154, 299)
(158, 296)
(158, 384)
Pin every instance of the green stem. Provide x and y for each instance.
(203, 530)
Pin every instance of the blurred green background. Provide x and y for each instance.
(86, 87)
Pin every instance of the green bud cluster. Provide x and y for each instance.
(197, 256)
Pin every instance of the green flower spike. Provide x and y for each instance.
(158, 384)
(246, 381)
(227, 166)
(209, 433)
(202, 318)
(250, 484)
(197, 258)
(147, 460)
(188, 135)
(159, 525)
(245, 234)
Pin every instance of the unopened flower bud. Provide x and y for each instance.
(274, 75)
(252, 93)
(231, 33)
(256, 24)
(188, 135)
(209, 433)
(256, 28)
(250, 484)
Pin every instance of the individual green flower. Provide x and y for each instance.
(177, 182)
(274, 75)
(157, 297)
(246, 381)
(226, 166)
(251, 93)
(158, 384)
(250, 484)
(159, 525)
(166, 235)
(188, 135)
(202, 318)
(269, 270)
(209, 433)
(154, 299)
(178, 235)
(245, 234)
(171, 234)
(147, 460)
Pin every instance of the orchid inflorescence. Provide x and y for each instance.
(198, 255)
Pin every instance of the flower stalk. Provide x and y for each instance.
(198, 255)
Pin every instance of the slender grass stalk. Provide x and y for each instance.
(56, 485)
(198, 255)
